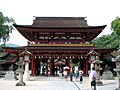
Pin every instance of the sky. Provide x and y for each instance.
(98, 12)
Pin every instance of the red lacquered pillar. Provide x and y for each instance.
(33, 66)
(68, 65)
(51, 68)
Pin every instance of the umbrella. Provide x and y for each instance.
(60, 63)
(66, 67)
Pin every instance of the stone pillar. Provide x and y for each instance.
(118, 84)
(20, 70)
(118, 74)
(117, 69)
(98, 68)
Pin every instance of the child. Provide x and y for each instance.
(81, 76)
(65, 74)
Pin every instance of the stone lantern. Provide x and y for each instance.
(26, 55)
(117, 69)
(92, 57)
(20, 64)
(95, 62)
(98, 68)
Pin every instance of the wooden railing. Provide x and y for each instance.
(60, 45)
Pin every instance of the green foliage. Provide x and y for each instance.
(5, 27)
(115, 26)
(2, 45)
(106, 41)
(110, 41)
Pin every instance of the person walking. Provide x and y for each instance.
(92, 77)
(77, 74)
(81, 76)
(71, 75)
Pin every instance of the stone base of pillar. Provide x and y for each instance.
(99, 83)
(21, 83)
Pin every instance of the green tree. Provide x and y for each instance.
(106, 41)
(6, 27)
(112, 40)
(115, 26)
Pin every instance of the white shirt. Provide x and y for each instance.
(65, 72)
(80, 72)
(92, 74)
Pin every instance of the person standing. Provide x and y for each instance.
(65, 74)
(81, 76)
(60, 73)
(92, 77)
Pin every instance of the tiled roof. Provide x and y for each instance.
(59, 22)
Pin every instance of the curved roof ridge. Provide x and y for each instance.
(37, 18)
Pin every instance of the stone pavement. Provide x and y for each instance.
(55, 83)
(107, 84)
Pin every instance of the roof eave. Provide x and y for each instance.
(32, 27)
